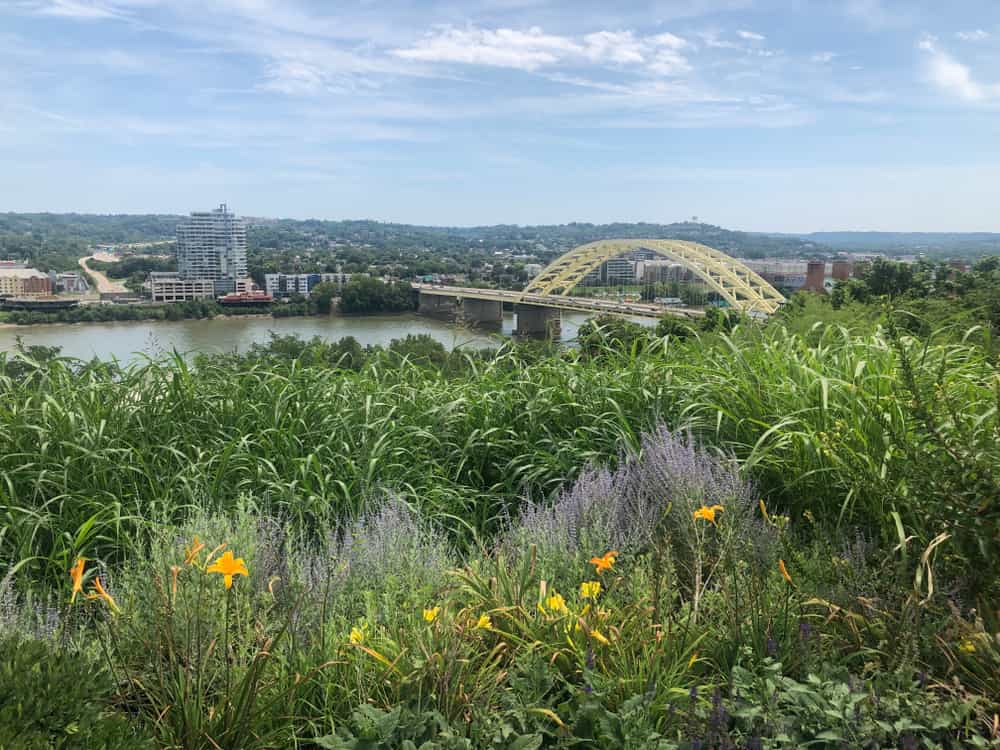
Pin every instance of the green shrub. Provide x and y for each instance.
(833, 709)
(51, 697)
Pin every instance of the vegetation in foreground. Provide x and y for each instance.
(743, 537)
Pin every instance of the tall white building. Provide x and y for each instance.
(212, 245)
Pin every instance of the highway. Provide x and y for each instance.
(576, 304)
(104, 284)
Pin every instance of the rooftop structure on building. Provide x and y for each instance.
(246, 298)
(212, 245)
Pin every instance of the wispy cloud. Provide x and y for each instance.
(78, 9)
(752, 36)
(533, 49)
(871, 13)
(823, 57)
(976, 35)
(952, 76)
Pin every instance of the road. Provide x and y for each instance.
(104, 284)
(579, 304)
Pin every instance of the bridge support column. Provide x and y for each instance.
(437, 306)
(535, 320)
(483, 313)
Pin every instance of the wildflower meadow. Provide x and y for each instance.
(774, 536)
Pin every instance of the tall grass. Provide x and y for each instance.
(90, 458)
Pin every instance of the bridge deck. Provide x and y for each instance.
(574, 304)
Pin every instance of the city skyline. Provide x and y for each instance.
(761, 115)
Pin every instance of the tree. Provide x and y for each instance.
(886, 277)
(422, 349)
(671, 325)
(322, 296)
(366, 295)
(609, 332)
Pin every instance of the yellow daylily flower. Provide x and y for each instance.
(556, 604)
(707, 512)
(599, 637)
(590, 589)
(357, 635)
(484, 622)
(431, 614)
(228, 566)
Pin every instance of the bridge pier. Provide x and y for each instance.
(438, 306)
(482, 312)
(535, 320)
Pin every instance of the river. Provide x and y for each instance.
(131, 341)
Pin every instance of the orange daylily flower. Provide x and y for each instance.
(174, 572)
(784, 570)
(707, 512)
(604, 562)
(228, 566)
(76, 573)
(100, 593)
(191, 553)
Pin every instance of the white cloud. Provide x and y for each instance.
(505, 48)
(823, 57)
(614, 46)
(294, 78)
(667, 62)
(712, 40)
(977, 35)
(751, 36)
(670, 40)
(533, 49)
(845, 96)
(954, 77)
(79, 9)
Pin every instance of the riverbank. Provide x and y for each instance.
(22, 326)
(131, 341)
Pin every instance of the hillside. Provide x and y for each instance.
(901, 243)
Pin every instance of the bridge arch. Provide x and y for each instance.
(734, 282)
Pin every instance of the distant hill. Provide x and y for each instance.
(555, 238)
(56, 240)
(903, 243)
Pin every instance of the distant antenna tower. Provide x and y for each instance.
(694, 219)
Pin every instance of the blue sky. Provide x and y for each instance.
(772, 115)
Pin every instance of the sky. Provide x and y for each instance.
(761, 115)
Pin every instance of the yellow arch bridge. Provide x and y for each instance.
(538, 306)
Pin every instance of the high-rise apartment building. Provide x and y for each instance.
(213, 245)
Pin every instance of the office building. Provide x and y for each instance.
(212, 245)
